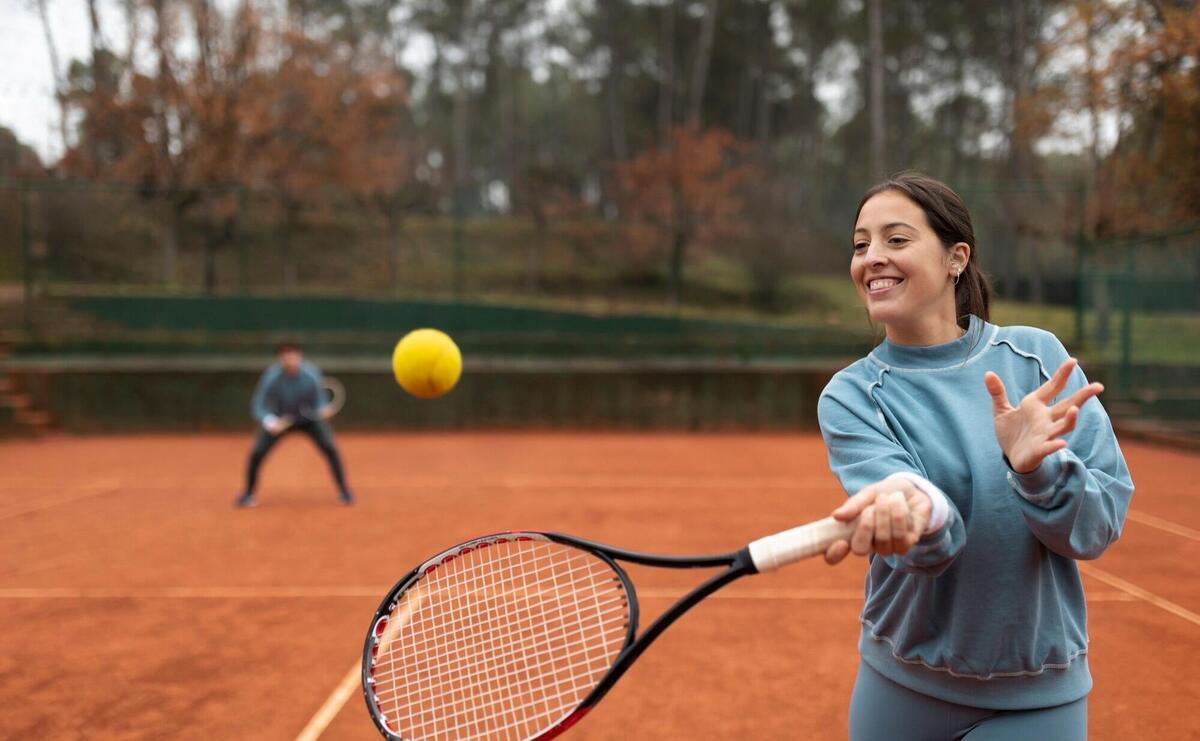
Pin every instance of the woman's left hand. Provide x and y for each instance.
(1032, 430)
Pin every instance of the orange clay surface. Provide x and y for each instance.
(136, 602)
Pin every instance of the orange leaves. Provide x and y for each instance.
(680, 194)
(261, 104)
(687, 186)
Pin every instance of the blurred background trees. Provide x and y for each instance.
(642, 134)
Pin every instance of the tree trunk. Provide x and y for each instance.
(55, 74)
(170, 254)
(535, 251)
(666, 88)
(94, 27)
(460, 117)
(613, 95)
(291, 272)
(878, 134)
(700, 69)
(958, 116)
(133, 26)
(679, 244)
(680, 237)
(395, 255)
(210, 263)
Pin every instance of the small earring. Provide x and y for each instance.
(957, 277)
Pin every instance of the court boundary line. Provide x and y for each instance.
(91, 490)
(1163, 524)
(332, 705)
(364, 592)
(582, 482)
(1113, 580)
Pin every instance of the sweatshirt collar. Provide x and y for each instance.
(947, 354)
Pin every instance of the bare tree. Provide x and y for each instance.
(613, 94)
(878, 141)
(55, 72)
(666, 87)
(700, 69)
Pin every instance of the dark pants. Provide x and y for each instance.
(321, 435)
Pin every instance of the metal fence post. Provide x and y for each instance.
(26, 260)
(1128, 282)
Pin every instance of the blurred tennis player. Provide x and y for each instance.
(983, 469)
(289, 398)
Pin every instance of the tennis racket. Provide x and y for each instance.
(518, 635)
(330, 399)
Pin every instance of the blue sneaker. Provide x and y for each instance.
(345, 497)
(246, 500)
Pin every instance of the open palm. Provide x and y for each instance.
(1034, 429)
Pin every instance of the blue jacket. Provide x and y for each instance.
(988, 610)
(282, 395)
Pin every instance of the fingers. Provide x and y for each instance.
(900, 524)
(892, 515)
(864, 534)
(1050, 447)
(1052, 388)
(995, 387)
(836, 552)
(886, 527)
(883, 525)
(920, 508)
(1076, 399)
(854, 506)
(1064, 425)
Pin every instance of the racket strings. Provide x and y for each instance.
(501, 642)
(492, 636)
(497, 664)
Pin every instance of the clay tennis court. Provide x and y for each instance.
(138, 603)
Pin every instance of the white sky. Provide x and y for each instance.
(27, 103)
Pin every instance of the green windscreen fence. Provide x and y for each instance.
(1139, 309)
(103, 324)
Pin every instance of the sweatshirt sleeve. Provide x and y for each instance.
(258, 402)
(1075, 501)
(862, 451)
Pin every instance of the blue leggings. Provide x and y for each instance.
(881, 710)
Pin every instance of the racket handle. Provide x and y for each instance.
(780, 549)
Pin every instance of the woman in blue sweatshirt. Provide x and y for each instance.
(982, 469)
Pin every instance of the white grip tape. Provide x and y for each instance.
(780, 549)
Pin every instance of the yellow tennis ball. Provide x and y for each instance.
(427, 363)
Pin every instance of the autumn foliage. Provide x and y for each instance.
(676, 197)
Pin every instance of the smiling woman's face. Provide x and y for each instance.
(900, 268)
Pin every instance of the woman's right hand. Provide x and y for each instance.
(892, 516)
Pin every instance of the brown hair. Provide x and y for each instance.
(950, 220)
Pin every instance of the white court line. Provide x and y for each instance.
(807, 595)
(738, 483)
(358, 592)
(92, 490)
(333, 704)
(188, 592)
(1136, 591)
(1161, 524)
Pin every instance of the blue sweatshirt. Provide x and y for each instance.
(281, 395)
(988, 610)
